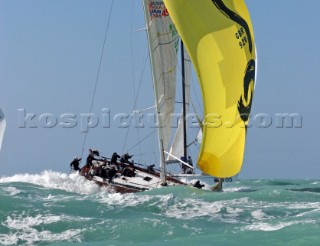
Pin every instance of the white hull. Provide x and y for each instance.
(183, 176)
(141, 181)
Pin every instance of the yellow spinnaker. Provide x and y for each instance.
(219, 38)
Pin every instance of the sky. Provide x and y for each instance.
(49, 59)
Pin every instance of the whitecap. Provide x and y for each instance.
(25, 222)
(22, 229)
(54, 180)
(31, 237)
(191, 208)
(260, 226)
(257, 181)
(50, 197)
(309, 213)
(234, 211)
(301, 205)
(259, 215)
(237, 189)
(12, 190)
(133, 200)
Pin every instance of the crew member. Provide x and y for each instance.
(90, 158)
(75, 164)
(125, 159)
(114, 159)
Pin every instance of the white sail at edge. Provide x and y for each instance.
(177, 147)
(2, 126)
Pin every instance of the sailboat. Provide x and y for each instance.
(163, 41)
(2, 126)
(218, 37)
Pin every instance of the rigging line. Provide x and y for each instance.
(136, 98)
(142, 110)
(197, 115)
(195, 95)
(146, 137)
(98, 73)
(131, 51)
(132, 67)
(140, 154)
(186, 59)
(139, 140)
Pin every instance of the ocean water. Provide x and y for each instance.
(62, 209)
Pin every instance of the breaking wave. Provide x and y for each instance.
(54, 180)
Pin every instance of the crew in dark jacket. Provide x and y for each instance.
(114, 158)
(125, 158)
(75, 164)
(90, 158)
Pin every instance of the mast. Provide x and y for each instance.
(183, 104)
(162, 166)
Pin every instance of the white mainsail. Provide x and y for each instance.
(2, 126)
(163, 45)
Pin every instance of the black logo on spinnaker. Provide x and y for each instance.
(236, 18)
(244, 107)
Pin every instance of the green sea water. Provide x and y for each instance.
(62, 209)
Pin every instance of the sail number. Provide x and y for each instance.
(157, 9)
(241, 36)
(227, 179)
